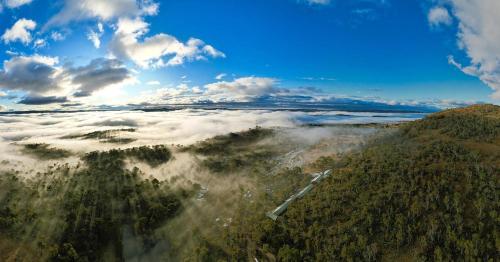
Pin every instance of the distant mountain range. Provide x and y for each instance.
(264, 103)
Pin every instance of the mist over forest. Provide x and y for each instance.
(144, 186)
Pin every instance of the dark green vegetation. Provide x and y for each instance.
(151, 155)
(45, 152)
(235, 151)
(119, 140)
(477, 123)
(83, 214)
(105, 136)
(430, 192)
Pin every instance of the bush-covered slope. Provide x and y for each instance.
(235, 151)
(429, 192)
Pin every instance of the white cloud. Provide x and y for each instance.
(127, 43)
(438, 16)
(11, 53)
(220, 76)
(57, 36)
(151, 8)
(39, 43)
(180, 94)
(95, 36)
(74, 10)
(479, 37)
(245, 89)
(318, 2)
(210, 50)
(16, 3)
(2, 94)
(241, 89)
(20, 31)
(153, 83)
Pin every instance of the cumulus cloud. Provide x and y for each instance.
(74, 10)
(42, 100)
(241, 89)
(40, 75)
(16, 3)
(244, 89)
(98, 74)
(33, 74)
(439, 16)
(156, 51)
(479, 37)
(20, 31)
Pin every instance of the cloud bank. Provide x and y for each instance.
(43, 76)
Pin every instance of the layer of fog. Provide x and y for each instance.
(174, 127)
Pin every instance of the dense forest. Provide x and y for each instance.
(84, 214)
(429, 192)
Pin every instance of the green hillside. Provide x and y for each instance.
(429, 192)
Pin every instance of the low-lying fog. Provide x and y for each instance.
(182, 127)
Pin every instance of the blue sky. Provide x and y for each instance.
(395, 52)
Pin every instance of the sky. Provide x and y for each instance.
(77, 54)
